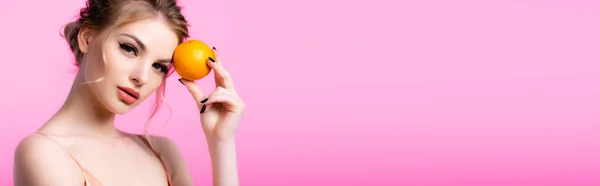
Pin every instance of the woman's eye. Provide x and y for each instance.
(129, 49)
(160, 67)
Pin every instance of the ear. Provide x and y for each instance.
(84, 38)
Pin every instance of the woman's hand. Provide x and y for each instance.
(221, 111)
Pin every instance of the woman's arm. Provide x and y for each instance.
(224, 162)
(222, 155)
(40, 161)
(220, 114)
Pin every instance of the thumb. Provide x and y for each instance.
(194, 89)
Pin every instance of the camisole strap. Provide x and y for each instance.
(147, 142)
(83, 171)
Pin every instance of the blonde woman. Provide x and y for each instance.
(123, 50)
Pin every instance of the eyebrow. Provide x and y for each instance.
(165, 61)
(136, 40)
(144, 47)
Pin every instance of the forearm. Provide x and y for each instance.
(224, 162)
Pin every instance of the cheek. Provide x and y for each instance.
(116, 63)
(98, 61)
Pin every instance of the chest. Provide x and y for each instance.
(120, 163)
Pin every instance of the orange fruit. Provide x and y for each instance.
(190, 58)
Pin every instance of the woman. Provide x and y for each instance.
(123, 50)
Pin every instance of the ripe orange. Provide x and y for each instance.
(190, 58)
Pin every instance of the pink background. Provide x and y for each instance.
(429, 92)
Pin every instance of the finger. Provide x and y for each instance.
(224, 96)
(194, 89)
(220, 95)
(217, 56)
(222, 76)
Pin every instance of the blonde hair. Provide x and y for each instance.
(100, 15)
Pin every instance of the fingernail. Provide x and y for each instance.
(202, 109)
(204, 101)
(211, 59)
(214, 48)
(180, 81)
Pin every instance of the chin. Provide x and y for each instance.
(118, 107)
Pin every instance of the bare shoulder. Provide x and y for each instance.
(162, 143)
(173, 159)
(39, 160)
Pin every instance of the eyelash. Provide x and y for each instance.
(162, 68)
(128, 48)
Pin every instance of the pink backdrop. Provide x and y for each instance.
(430, 92)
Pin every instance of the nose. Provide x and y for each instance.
(139, 75)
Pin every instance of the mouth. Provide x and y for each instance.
(128, 95)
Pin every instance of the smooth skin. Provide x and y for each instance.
(84, 126)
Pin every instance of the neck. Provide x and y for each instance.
(82, 114)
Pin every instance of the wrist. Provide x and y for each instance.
(219, 137)
(220, 142)
(222, 152)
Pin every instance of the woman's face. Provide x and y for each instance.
(138, 57)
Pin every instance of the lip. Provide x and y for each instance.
(130, 91)
(128, 95)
